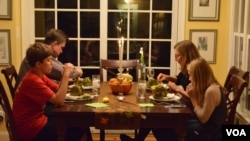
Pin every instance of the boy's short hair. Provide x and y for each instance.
(37, 52)
(53, 35)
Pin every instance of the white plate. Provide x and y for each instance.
(87, 87)
(171, 97)
(77, 98)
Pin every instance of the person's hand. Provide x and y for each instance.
(79, 71)
(161, 77)
(189, 90)
(67, 69)
(173, 86)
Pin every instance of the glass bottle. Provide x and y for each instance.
(142, 69)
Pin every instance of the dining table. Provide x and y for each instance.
(129, 113)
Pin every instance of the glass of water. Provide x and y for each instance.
(150, 73)
(141, 89)
(96, 84)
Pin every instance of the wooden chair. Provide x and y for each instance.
(9, 118)
(111, 66)
(240, 73)
(10, 75)
(237, 85)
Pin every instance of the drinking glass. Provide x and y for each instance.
(150, 73)
(96, 84)
(141, 89)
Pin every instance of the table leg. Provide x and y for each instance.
(102, 135)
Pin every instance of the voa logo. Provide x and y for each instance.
(236, 132)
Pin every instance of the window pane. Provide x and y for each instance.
(90, 4)
(44, 21)
(117, 24)
(89, 22)
(162, 25)
(160, 54)
(139, 25)
(67, 21)
(69, 53)
(72, 4)
(162, 4)
(134, 4)
(89, 53)
(44, 4)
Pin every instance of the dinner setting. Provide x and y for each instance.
(124, 70)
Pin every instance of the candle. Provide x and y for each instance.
(121, 44)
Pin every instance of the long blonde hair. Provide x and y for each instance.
(202, 76)
(188, 51)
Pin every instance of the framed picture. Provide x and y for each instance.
(204, 10)
(5, 9)
(205, 41)
(5, 56)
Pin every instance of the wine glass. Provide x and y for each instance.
(150, 73)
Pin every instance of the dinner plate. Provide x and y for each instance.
(172, 97)
(77, 98)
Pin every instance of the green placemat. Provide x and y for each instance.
(146, 105)
(97, 105)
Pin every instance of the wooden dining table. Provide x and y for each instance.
(125, 114)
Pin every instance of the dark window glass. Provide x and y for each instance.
(90, 4)
(160, 54)
(162, 4)
(139, 25)
(69, 53)
(44, 4)
(44, 21)
(117, 24)
(162, 25)
(90, 27)
(70, 4)
(89, 53)
(67, 21)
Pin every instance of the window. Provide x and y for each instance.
(95, 26)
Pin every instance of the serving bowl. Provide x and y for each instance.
(117, 88)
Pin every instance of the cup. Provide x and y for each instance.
(96, 84)
(141, 89)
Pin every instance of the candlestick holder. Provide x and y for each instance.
(120, 77)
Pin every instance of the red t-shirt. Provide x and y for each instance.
(29, 103)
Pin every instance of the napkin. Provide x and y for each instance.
(146, 105)
(97, 105)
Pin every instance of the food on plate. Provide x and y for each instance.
(105, 100)
(76, 90)
(152, 82)
(159, 92)
(86, 81)
(85, 96)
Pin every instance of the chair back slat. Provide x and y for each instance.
(10, 75)
(237, 85)
(112, 65)
(9, 118)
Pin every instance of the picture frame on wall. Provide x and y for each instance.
(5, 9)
(206, 42)
(204, 10)
(5, 51)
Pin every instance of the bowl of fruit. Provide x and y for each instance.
(123, 85)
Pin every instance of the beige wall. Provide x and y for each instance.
(220, 67)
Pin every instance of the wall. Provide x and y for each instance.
(15, 45)
(220, 67)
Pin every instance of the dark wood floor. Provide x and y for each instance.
(116, 137)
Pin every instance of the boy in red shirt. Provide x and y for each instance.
(34, 92)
